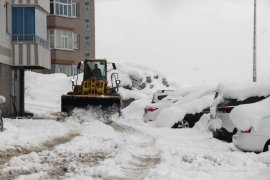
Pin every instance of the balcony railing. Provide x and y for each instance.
(30, 38)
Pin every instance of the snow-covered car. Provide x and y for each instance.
(229, 96)
(253, 123)
(181, 109)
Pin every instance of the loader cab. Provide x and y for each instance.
(95, 68)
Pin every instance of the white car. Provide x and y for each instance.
(254, 140)
(253, 124)
(187, 108)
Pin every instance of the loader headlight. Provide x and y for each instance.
(118, 82)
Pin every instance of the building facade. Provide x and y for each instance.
(23, 45)
(5, 57)
(71, 33)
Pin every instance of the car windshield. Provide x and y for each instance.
(235, 102)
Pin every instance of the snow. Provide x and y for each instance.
(174, 107)
(127, 148)
(169, 116)
(250, 115)
(32, 133)
(139, 81)
(2, 99)
(242, 91)
(43, 92)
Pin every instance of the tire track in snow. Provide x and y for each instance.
(5, 156)
(142, 154)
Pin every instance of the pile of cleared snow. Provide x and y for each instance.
(250, 115)
(138, 81)
(43, 92)
(2, 99)
(242, 91)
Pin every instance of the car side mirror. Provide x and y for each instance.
(114, 66)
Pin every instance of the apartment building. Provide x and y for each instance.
(71, 33)
(23, 45)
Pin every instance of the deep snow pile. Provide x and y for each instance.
(250, 115)
(138, 81)
(43, 92)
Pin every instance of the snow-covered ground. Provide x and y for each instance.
(85, 147)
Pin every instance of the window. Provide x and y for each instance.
(64, 8)
(61, 39)
(76, 41)
(75, 10)
(23, 23)
(51, 38)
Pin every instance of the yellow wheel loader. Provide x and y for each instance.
(94, 90)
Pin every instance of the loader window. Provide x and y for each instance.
(95, 69)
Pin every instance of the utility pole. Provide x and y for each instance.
(255, 44)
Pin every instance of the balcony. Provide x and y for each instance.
(43, 4)
(30, 52)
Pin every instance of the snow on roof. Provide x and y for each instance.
(2, 99)
(242, 91)
(250, 115)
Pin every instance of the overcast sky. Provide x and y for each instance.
(199, 40)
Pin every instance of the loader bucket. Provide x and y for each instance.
(70, 102)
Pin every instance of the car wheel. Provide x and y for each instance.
(266, 146)
(183, 124)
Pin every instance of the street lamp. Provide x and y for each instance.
(254, 44)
